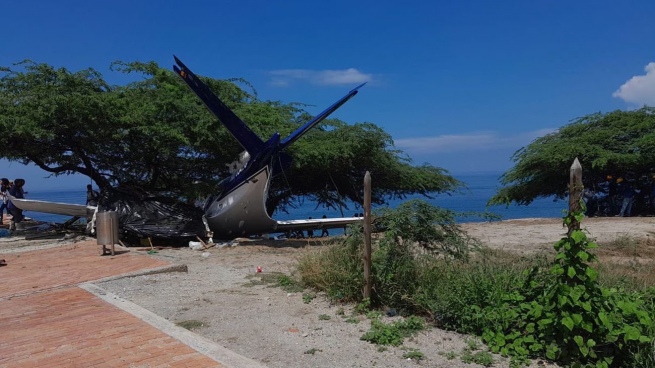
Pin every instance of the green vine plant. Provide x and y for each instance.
(568, 316)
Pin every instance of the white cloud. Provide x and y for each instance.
(640, 89)
(320, 77)
(473, 142)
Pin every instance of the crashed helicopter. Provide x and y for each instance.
(238, 208)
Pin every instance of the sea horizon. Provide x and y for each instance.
(480, 187)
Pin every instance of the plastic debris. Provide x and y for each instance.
(148, 215)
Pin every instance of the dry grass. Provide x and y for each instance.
(627, 261)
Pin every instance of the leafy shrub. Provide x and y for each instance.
(414, 355)
(483, 358)
(394, 333)
(416, 233)
(416, 223)
(453, 293)
(308, 297)
(288, 284)
(572, 319)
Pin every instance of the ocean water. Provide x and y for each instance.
(480, 188)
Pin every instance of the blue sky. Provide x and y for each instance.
(460, 84)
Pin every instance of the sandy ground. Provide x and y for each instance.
(529, 236)
(225, 295)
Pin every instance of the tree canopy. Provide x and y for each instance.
(155, 135)
(617, 144)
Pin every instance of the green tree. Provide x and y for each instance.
(619, 143)
(155, 135)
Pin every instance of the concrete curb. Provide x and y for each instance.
(200, 344)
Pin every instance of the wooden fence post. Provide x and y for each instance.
(367, 235)
(575, 194)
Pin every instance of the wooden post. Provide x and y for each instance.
(367, 235)
(575, 194)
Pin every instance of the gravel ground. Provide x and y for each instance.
(223, 291)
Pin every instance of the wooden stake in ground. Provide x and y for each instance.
(575, 195)
(367, 235)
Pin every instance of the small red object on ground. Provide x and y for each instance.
(259, 269)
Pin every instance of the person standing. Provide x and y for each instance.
(628, 198)
(591, 202)
(92, 198)
(310, 232)
(325, 231)
(4, 187)
(16, 213)
(612, 195)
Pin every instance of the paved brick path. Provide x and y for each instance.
(65, 266)
(47, 321)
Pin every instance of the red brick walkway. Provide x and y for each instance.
(46, 321)
(66, 266)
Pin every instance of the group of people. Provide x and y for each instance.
(299, 234)
(14, 189)
(621, 197)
